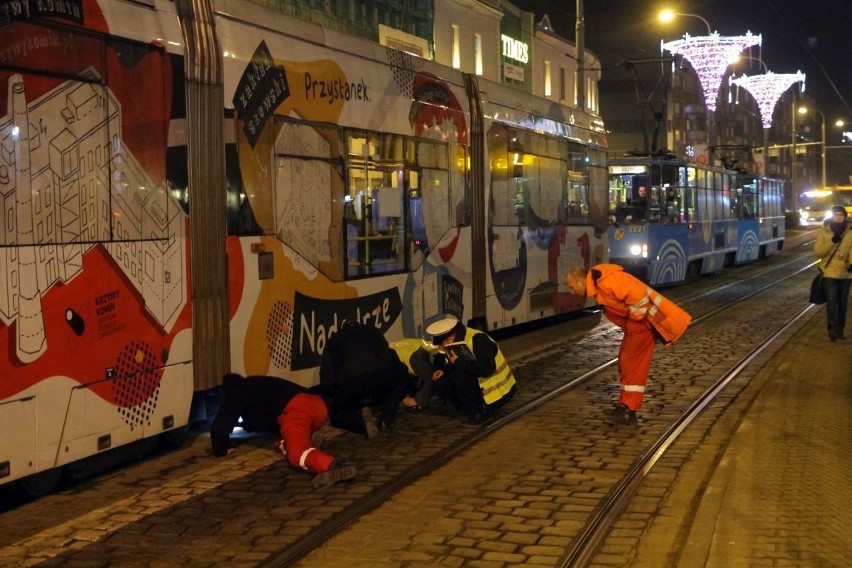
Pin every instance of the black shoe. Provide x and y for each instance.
(478, 418)
(620, 414)
(371, 430)
(340, 470)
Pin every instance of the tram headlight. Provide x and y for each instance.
(637, 250)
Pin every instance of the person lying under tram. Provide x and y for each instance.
(278, 406)
(645, 317)
(465, 367)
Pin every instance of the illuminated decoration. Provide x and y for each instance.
(710, 56)
(767, 89)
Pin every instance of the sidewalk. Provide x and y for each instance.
(780, 496)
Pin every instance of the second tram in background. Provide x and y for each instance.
(671, 219)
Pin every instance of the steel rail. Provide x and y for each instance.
(584, 547)
(381, 494)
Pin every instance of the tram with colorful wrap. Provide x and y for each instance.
(195, 188)
(671, 219)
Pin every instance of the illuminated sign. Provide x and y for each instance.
(627, 170)
(515, 49)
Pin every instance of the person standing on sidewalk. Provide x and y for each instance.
(273, 405)
(834, 248)
(645, 317)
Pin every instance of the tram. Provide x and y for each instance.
(193, 188)
(671, 219)
(815, 204)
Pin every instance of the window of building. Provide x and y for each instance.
(477, 52)
(547, 89)
(456, 48)
(561, 83)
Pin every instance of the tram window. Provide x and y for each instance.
(307, 173)
(533, 180)
(749, 198)
(728, 202)
(400, 199)
(631, 204)
(500, 162)
(671, 193)
(673, 204)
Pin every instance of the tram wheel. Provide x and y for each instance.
(693, 271)
(40, 483)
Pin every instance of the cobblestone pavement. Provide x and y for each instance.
(516, 498)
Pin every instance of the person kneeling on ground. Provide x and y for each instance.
(358, 368)
(470, 370)
(278, 406)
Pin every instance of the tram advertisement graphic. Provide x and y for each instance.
(317, 319)
(69, 10)
(452, 296)
(262, 88)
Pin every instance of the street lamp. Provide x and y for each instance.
(804, 110)
(669, 15)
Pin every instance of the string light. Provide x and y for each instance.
(767, 90)
(710, 56)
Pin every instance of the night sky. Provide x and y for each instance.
(812, 36)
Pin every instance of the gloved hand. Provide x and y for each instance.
(836, 238)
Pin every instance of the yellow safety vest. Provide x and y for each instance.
(405, 348)
(501, 382)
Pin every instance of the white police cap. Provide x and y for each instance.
(442, 326)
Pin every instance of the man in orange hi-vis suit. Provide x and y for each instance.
(643, 314)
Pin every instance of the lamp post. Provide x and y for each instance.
(804, 110)
(669, 15)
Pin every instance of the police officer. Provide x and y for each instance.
(473, 384)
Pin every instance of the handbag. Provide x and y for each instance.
(817, 291)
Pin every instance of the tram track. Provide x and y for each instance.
(564, 376)
(584, 547)
(588, 541)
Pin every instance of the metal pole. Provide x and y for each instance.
(824, 185)
(794, 198)
(580, 39)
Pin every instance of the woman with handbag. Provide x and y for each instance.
(833, 247)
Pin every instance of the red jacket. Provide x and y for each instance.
(624, 296)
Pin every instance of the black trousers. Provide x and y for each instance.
(385, 388)
(461, 389)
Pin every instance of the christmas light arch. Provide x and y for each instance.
(710, 56)
(767, 90)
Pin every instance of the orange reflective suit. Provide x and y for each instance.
(639, 311)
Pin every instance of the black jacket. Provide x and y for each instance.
(259, 400)
(355, 350)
